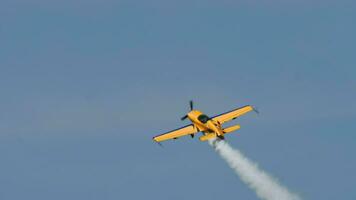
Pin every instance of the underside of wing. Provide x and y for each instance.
(186, 130)
(225, 117)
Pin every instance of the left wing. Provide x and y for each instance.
(225, 117)
(186, 130)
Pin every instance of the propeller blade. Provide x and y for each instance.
(191, 105)
(184, 117)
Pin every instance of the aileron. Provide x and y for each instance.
(186, 130)
(233, 114)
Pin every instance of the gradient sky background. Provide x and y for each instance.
(84, 85)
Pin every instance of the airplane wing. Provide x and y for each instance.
(225, 117)
(186, 130)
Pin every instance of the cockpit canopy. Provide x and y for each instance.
(203, 118)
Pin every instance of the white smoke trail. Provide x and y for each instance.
(265, 186)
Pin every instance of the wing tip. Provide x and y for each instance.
(154, 139)
(254, 108)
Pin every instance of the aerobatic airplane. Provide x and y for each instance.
(209, 126)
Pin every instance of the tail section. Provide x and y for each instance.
(214, 135)
(207, 137)
(231, 128)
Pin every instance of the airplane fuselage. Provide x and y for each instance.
(204, 124)
(211, 127)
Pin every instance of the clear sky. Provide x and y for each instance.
(84, 85)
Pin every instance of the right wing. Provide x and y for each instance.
(222, 118)
(186, 130)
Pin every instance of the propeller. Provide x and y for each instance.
(184, 117)
(191, 108)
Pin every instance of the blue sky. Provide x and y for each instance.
(86, 84)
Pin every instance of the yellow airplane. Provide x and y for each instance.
(209, 126)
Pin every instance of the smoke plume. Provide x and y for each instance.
(264, 185)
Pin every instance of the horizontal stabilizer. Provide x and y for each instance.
(207, 137)
(231, 129)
